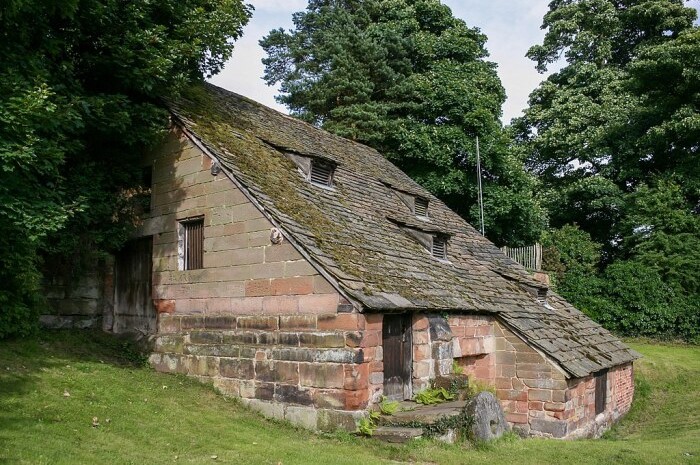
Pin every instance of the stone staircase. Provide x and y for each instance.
(412, 420)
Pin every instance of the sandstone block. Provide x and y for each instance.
(205, 337)
(289, 394)
(281, 253)
(284, 304)
(258, 288)
(356, 400)
(322, 375)
(319, 303)
(333, 420)
(277, 371)
(288, 339)
(258, 322)
(305, 417)
(170, 343)
(235, 368)
(342, 321)
(228, 386)
(293, 286)
(240, 337)
(321, 340)
(544, 395)
(214, 350)
(553, 428)
(264, 391)
(290, 322)
(267, 409)
(328, 398)
(164, 306)
(188, 322)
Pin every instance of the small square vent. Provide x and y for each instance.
(321, 173)
(439, 249)
(420, 207)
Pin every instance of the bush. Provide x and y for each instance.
(633, 300)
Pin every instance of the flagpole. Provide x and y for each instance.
(480, 196)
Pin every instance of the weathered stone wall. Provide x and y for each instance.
(244, 272)
(439, 342)
(540, 401)
(86, 302)
(531, 388)
(475, 345)
(313, 370)
(258, 321)
(582, 421)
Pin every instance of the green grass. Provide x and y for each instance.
(156, 418)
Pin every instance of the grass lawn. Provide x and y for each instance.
(52, 387)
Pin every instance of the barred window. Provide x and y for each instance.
(192, 244)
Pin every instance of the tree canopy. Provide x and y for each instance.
(614, 138)
(409, 79)
(80, 82)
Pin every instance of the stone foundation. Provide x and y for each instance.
(315, 371)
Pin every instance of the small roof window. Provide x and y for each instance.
(420, 206)
(321, 173)
(439, 248)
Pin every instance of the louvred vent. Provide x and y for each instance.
(421, 206)
(439, 248)
(321, 174)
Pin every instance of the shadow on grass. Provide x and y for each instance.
(21, 360)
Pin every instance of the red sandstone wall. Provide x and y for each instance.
(580, 415)
(258, 322)
(244, 273)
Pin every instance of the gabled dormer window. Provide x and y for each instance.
(420, 207)
(439, 248)
(321, 173)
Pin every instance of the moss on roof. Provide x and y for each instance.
(354, 230)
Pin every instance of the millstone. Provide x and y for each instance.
(489, 421)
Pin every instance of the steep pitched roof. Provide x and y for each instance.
(362, 233)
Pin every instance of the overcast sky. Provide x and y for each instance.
(512, 26)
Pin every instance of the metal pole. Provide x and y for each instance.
(478, 175)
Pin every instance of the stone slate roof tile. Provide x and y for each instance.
(356, 230)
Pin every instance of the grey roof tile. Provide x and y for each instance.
(354, 230)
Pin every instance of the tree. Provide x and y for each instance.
(409, 79)
(606, 122)
(613, 136)
(80, 83)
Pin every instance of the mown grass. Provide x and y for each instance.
(53, 386)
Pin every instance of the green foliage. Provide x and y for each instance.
(569, 251)
(411, 80)
(662, 427)
(457, 369)
(617, 156)
(366, 427)
(433, 396)
(388, 407)
(79, 102)
(476, 386)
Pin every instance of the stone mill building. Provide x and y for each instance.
(307, 275)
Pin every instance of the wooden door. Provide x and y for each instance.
(398, 360)
(133, 304)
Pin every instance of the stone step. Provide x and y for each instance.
(396, 434)
(424, 414)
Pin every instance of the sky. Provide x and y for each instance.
(512, 26)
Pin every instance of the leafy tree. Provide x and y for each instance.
(606, 122)
(409, 79)
(614, 138)
(79, 88)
